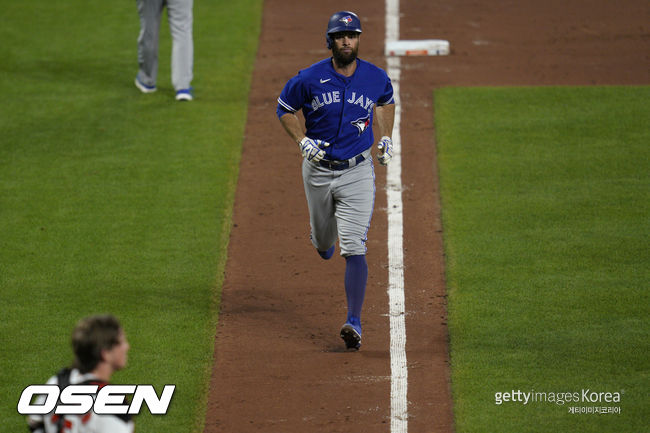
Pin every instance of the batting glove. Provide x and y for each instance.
(385, 147)
(313, 149)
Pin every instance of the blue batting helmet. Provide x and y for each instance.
(344, 21)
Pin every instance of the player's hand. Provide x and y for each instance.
(385, 147)
(313, 149)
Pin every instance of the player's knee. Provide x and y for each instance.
(353, 247)
(323, 241)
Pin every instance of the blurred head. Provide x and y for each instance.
(98, 339)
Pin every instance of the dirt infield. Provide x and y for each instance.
(279, 363)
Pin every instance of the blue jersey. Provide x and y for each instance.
(338, 109)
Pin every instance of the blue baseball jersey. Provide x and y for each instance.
(338, 109)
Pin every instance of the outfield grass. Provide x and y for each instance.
(545, 197)
(115, 201)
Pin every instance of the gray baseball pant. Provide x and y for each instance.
(340, 205)
(180, 25)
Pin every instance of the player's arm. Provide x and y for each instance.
(385, 115)
(290, 102)
(292, 125)
(385, 119)
(311, 149)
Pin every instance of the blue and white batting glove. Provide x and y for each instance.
(385, 147)
(312, 149)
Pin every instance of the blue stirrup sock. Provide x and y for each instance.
(327, 254)
(356, 277)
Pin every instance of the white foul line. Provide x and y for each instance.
(397, 310)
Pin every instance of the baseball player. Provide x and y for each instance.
(339, 97)
(100, 348)
(179, 13)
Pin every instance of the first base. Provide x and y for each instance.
(427, 47)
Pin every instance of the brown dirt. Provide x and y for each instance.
(279, 363)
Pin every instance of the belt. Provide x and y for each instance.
(334, 164)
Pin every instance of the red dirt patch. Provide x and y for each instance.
(280, 365)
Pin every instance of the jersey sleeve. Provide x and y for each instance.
(292, 97)
(387, 96)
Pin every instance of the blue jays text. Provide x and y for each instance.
(335, 97)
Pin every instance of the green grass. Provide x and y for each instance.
(114, 201)
(545, 197)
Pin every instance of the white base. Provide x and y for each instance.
(427, 47)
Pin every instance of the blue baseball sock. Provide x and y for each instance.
(327, 254)
(356, 277)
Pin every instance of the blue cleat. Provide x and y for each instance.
(351, 335)
(143, 87)
(184, 95)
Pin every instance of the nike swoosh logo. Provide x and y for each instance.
(324, 81)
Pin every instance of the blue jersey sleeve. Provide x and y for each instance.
(292, 97)
(387, 96)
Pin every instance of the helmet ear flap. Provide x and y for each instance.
(328, 39)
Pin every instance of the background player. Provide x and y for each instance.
(180, 17)
(100, 348)
(338, 97)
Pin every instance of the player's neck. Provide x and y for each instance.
(103, 371)
(346, 70)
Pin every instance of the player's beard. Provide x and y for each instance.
(344, 59)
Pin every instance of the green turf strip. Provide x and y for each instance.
(545, 195)
(115, 201)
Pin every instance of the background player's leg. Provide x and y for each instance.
(149, 12)
(180, 25)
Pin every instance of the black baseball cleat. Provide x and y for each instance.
(351, 335)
